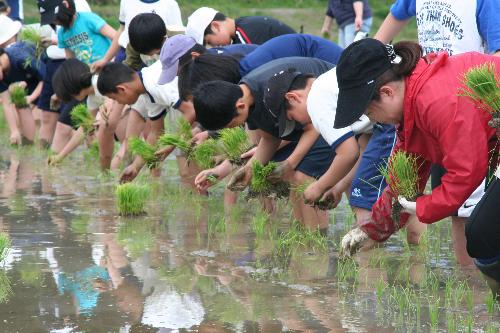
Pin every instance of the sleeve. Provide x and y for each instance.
(173, 14)
(329, 9)
(488, 23)
(95, 23)
(463, 135)
(404, 9)
(123, 15)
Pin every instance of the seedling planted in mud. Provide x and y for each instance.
(298, 235)
(4, 245)
(81, 117)
(380, 287)
(401, 174)
(259, 223)
(260, 184)
(131, 198)
(434, 311)
(482, 86)
(144, 150)
(491, 303)
(204, 154)
(235, 142)
(18, 96)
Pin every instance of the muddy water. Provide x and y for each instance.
(190, 265)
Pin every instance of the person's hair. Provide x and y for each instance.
(299, 83)
(112, 75)
(147, 32)
(3, 7)
(186, 58)
(218, 17)
(2, 51)
(208, 67)
(65, 14)
(410, 53)
(215, 103)
(71, 78)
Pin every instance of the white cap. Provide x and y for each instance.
(198, 22)
(9, 29)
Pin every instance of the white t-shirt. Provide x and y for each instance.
(157, 97)
(168, 10)
(96, 100)
(322, 108)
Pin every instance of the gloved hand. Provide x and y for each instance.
(352, 242)
(409, 207)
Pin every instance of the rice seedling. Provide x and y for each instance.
(144, 150)
(434, 311)
(81, 117)
(204, 154)
(401, 174)
(4, 245)
(184, 129)
(175, 140)
(18, 96)
(5, 287)
(92, 153)
(260, 184)
(347, 270)
(451, 323)
(32, 36)
(380, 287)
(468, 323)
(259, 223)
(491, 303)
(297, 236)
(235, 142)
(131, 198)
(469, 299)
(482, 86)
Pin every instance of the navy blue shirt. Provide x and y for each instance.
(343, 11)
(23, 66)
(235, 49)
(292, 45)
(15, 9)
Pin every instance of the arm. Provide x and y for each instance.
(306, 141)
(109, 32)
(358, 11)
(113, 49)
(105, 134)
(187, 110)
(72, 144)
(390, 28)
(36, 93)
(268, 145)
(10, 115)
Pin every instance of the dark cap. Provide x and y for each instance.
(274, 99)
(359, 66)
(48, 10)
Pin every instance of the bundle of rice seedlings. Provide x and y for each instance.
(4, 245)
(175, 140)
(321, 204)
(482, 86)
(33, 36)
(260, 184)
(204, 154)
(81, 117)
(131, 198)
(184, 129)
(401, 175)
(144, 150)
(235, 141)
(18, 96)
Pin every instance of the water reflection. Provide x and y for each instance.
(189, 265)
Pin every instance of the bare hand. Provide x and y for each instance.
(358, 23)
(313, 193)
(205, 179)
(240, 179)
(281, 173)
(352, 242)
(53, 160)
(15, 138)
(162, 153)
(55, 102)
(199, 138)
(249, 153)
(129, 174)
(98, 65)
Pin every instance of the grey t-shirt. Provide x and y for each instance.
(259, 117)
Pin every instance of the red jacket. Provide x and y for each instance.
(445, 129)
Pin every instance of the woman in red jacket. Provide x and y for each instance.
(396, 85)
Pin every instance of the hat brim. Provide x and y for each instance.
(285, 125)
(47, 18)
(14, 29)
(352, 103)
(168, 74)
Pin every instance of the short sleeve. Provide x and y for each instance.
(488, 23)
(95, 22)
(122, 16)
(173, 13)
(404, 9)
(329, 11)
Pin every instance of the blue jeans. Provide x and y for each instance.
(348, 32)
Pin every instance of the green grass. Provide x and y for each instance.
(18, 96)
(131, 198)
(401, 174)
(144, 150)
(81, 117)
(234, 141)
(482, 86)
(204, 154)
(4, 245)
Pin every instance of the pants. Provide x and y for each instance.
(348, 32)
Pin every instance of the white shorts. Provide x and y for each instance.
(148, 109)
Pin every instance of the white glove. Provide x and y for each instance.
(352, 242)
(409, 207)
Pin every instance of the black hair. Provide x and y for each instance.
(112, 75)
(299, 83)
(215, 103)
(70, 78)
(2, 51)
(3, 7)
(65, 14)
(186, 58)
(208, 67)
(218, 17)
(410, 53)
(147, 32)
(184, 83)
